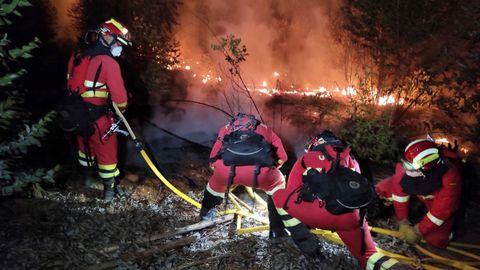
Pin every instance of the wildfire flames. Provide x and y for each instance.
(271, 88)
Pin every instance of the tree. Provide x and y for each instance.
(15, 174)
(395, 38)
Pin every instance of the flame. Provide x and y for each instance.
(320, 91)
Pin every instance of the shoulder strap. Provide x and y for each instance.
(97, 75)
(324, 151)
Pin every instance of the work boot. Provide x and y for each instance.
(108, 189)
(119, 191)
(90, 179)
(208, 210)
(277, 229)
(210, 215)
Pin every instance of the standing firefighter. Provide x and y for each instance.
(425, 172)
(94, 77)
(326, 191)
(246, 153)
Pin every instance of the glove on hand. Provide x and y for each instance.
(409, 233)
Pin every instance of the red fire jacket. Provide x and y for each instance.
(109, 83)
(441, 204)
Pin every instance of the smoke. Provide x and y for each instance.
(66, 30)
(290, 37)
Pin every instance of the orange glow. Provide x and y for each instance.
(266, 87)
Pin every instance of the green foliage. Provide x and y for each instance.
(234, 53)
(11, 8)
(14, 173)
(372, 138)
(369, 129)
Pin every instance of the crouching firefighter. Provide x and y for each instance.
(247, 153)
(94, 81)
(425, 171)
(325, 190)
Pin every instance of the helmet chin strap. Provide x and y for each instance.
(105, 42)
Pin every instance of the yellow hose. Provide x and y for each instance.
(152, 166)
(453, 263)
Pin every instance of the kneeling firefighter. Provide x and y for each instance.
(247, 153)
(425, 171)
(326, 191)
(94, 77)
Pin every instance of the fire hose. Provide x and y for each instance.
(324, 233)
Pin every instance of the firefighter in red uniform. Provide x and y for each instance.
(266, 178)
(300, 215)
(96, 75)
(424, 172)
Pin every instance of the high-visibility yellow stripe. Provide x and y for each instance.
(270, 192)
(434, 219)
(92, 84)
(389, 263)
(373, 259)
(376, 257)
(400, 199)
(214, 193)
(100, 94)
(420, 160)
(291, 222)
(282, 212)
(427, 197)
(122, 105)
(107, 167)
(84, 163)
(119, 26)
(114, 173)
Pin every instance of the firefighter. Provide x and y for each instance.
(300, 215)
(425, 171)
(265, 176)
(95, 75)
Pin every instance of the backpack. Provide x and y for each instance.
(243, 146)
(75, 114)
(341, 188)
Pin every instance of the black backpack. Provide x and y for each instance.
(78, 116)
(243, 146)
(341, 188)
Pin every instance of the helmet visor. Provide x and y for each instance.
(407, 165)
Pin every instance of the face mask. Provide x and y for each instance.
(116, 52)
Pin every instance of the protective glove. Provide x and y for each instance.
(410, 234)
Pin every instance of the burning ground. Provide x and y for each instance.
(70, 228)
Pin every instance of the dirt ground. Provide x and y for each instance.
(70, 228)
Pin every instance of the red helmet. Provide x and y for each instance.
(325, 137)
(421, 154)
(117, 30)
